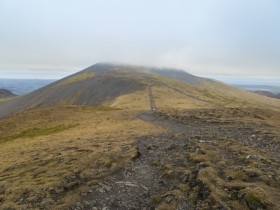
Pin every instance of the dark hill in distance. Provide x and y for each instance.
(268, 94)
(6, 93)
(125, 87)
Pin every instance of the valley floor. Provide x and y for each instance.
(103, 158)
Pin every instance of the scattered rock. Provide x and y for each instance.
(127, 184)
(168, 199)
(104, 186)
(197, 150)
(84, 194)
(150, 147)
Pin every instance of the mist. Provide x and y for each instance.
(53, 39)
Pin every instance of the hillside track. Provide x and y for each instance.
(151, 99)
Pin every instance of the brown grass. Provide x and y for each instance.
(169, 94)
(68, 152)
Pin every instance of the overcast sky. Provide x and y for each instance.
(54, 38)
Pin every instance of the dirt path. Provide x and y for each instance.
(151, 99)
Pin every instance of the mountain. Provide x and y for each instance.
(91, 141)
(269, 88)
(23, 86)
(268, 94)
(126, 87)
(6, 93)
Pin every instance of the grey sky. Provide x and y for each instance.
(53, 38)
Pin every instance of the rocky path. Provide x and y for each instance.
(137, 185)
(174, 170)
(134, 186)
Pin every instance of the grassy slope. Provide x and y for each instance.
(235, 97)
(75, 78)
(36, 165)
(5, 99)
(170, 93)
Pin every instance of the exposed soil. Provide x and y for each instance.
(208, 159)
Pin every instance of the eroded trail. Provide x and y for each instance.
(135, 186)
(203, 161)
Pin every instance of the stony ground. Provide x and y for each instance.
(207, 159)
(226, 158)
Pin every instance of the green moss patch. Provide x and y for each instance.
(34, 132)
(75, 78)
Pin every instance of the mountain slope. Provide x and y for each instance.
(6, 93)
(126, 87)
(268, 94)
